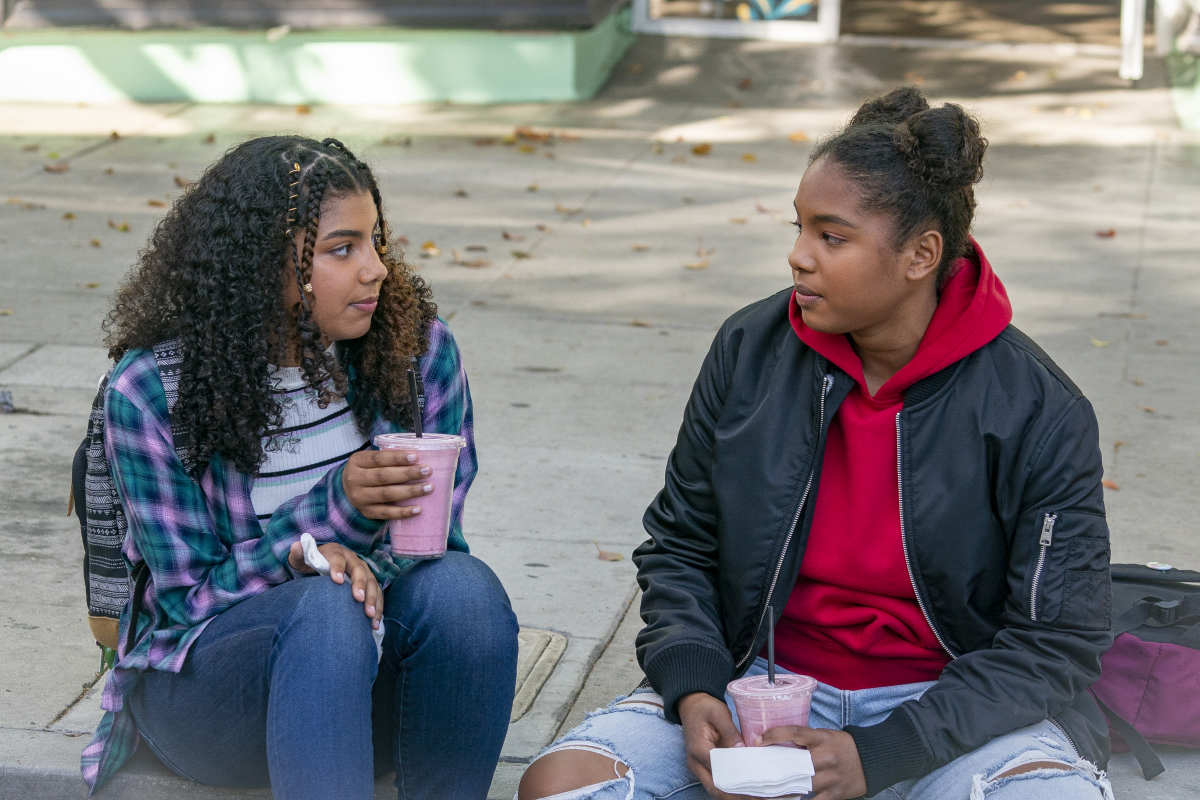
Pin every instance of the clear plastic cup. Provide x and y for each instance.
(424, 536)
(761, 706)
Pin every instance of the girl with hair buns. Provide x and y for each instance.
(272, 281)
(905, 482)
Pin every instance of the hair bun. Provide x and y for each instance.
(891, 109)
(943, 146)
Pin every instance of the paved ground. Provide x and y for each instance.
(581, 350)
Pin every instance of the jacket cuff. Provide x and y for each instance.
(686, 668)
(890, 752)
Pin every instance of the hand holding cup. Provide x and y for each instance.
(374, 480)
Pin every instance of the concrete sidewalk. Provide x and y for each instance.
(626, 250)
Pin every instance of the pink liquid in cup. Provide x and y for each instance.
(424, 536)
(761, 706)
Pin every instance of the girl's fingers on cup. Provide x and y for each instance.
(395, 494)
(390, 458)
(388, 476)
(791, 734)
(389, 512)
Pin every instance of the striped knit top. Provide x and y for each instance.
(310, 442)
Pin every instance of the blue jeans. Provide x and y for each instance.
(283, 689)
(632, 730)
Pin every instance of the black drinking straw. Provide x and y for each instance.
(413, 404)
(770, 647)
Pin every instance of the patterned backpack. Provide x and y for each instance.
(102, 523)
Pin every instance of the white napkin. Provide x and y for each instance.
(313, 557)
(768, 771)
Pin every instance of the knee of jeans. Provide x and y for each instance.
(1089, 780)
(327, 612)
(458, 593)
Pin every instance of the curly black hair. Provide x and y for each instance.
(916, 163)
(213, 275)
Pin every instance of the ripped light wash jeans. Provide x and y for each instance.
(633, 731)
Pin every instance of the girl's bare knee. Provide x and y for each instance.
(566, 771)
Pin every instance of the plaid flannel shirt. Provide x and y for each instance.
(203, 543)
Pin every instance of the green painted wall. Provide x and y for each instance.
(377, 67)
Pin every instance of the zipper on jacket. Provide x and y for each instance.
(828, 384)
(1044, 541)
(904, 547)
(1063, 730)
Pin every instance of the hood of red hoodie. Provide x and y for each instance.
(972, 311)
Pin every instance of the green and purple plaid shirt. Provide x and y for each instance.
(204, 546)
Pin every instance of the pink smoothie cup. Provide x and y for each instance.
(424, 536)
(761, 706)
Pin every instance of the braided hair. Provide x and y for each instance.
(213, 276)
(916, 163)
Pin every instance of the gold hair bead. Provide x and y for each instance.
(383, 249)
(308, 288)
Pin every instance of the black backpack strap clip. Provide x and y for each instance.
(1147, 759)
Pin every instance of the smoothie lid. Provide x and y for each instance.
(430, 441)
(758, 688)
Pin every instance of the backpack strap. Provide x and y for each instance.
(1159, 613)
(1147, 759)
(169, 357)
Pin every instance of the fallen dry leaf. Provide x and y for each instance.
(29, 148)
(1147, 409)
(640, 248)
(69, 215)
(531, 135)
(797, 136)
(182, 182)
(1019, 75)
(57, 168)
(479, 302)
(697, 264)
(114, 136)
(477, 248)
(533, 187)
(52, 155)
(605, 555)
(733, 104)
(738, 220)
(749, 157)
(679, 160)
(88, 285)
(94, 242)
(560, 208)
(6, 312)
(32, 206)
(430, 250)
(508, 139)
(484, 141)
(914, 78)
(212, 137)
(153, 203)
(1117, 445)
(461, 192)
(1098, 343)
(1163, 342)
(638, 323)
(760, 208)
(108, 170)
(746, 84)
(303, 109)
(543, 228)
(402, 141)
(586, 222)
(401, 240)
(461, 262)
(527, 148)
(123, 227)
(512, 237)
(701, 149)
(1107, 233)
(657, 149)
(549, 154)
(1137, 382)
(520, 254)
(1107, 484)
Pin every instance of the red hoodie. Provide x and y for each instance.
(852, 620)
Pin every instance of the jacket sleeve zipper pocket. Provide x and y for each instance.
(1044, 543)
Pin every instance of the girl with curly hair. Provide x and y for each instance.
(271, 279)
(875, 459)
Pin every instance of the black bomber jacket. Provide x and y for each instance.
(1002, 519)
